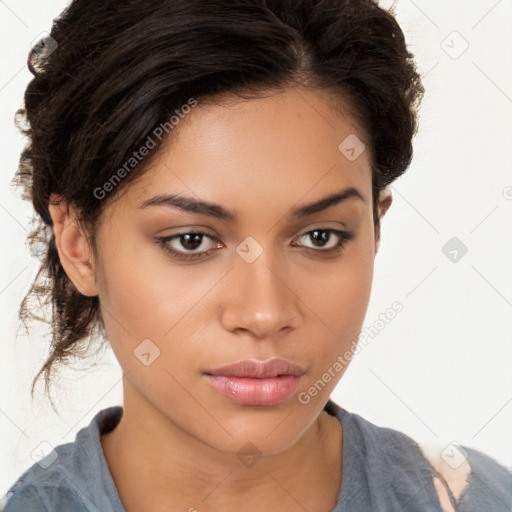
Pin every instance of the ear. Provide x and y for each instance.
(384, 202)
(74, 250)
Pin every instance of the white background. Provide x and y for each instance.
(441, 370)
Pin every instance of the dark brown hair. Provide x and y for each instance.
(112, 71)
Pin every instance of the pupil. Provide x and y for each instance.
(323, 237)
(192, 241)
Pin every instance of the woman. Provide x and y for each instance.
(211, 177)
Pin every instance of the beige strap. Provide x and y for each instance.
(453, 469)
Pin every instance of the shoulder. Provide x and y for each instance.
(467, 479)
(26, 499)
(63, 479)
(40, 487)
(382, 466)
(457, 478)
(381, 445)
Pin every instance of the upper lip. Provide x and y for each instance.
(255, 369)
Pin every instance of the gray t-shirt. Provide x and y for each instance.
(383, 471)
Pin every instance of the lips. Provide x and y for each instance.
(259, 370)
(253, 382)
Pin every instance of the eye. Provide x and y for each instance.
(190, 242)
(323, 237)
(180, 245)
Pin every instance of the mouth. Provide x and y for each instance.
(253, 382)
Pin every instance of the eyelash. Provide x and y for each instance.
(164, 243)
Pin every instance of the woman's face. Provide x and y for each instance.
(264, 284)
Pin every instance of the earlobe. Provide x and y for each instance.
(73, 247)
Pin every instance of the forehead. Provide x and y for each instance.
(250, 155)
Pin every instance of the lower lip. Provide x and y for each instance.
(245, 390)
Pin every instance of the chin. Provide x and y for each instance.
(262, 431)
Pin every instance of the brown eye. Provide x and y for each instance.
(178, 245)
(333, 239)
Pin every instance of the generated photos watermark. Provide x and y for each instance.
(158, 133)
(342, 360)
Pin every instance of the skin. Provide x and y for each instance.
(175, 447)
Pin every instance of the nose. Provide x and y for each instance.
(260, 300)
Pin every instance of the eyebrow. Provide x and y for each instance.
(191, 205)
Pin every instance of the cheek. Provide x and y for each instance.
(144, 296)
(340, 302)
(344, 291)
